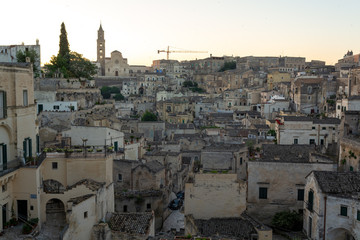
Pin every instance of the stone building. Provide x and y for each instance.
(18, 128)
(331, 206)
(8, 53)
(276, 181)
(298, 63)
(306, 94)
(351, 103)
(349, 153)
(116, 65)
(307, 130)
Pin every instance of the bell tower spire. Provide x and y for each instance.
(101, 50)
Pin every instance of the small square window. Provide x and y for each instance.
(343, 211)
(31, 208)
(125, 208)
(263, 193)
(119, 177)
(296, 141)
(148, 206)
(313, 127)
(54, 165)
(323, 128)
(85, 214)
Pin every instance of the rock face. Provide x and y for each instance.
(86, 98)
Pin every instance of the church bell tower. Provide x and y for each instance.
(101, 50)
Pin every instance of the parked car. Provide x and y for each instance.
(180, 195)
(175, 204)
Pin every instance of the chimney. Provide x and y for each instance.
(37, 42)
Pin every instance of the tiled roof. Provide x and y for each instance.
(89, 183)
(80, 199)
(286, 153)
(131, 223)
(345, 184)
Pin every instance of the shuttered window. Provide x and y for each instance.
(310, 204)
(3, 104)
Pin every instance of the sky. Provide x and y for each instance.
(315, 29)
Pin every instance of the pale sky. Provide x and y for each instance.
(315, 29)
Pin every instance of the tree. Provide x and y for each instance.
(107, 91)
(64, 48)
(228, 66)
(119, 97)
(148, 117)
(34, 57)
(70, 64)
(81, 67)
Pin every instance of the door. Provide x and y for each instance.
(310, 227)
(4, 209)
(116, 146)
(22, 209)
(40, 108)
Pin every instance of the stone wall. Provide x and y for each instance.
(282, 180)
(215, 195)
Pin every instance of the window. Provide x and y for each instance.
(262, 193)
(351, 168)
(300, 196)
(85, 214)
(148, 206)
(310, 203)
(125, 208)
(296, 141)
(312, 141)
(343, 211)
(4, 187)
(119, 177)
(56, 107)
(25, 97)
(313, 128)
(2, 104)
(3, 156)
(54, 165)
(323, 128)
(358, 215)
(241, 161)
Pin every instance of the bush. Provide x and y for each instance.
(288, 220)
(26, 229)
(148, 117)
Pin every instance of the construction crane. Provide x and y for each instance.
(168, 51)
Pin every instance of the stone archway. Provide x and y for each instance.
(340, 233)
(55, 214)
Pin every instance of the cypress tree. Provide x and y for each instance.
(64, 49)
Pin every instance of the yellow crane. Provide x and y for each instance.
(168, 51)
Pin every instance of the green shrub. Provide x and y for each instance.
(288, 220)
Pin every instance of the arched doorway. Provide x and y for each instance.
(55, 214)
(340, 233)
